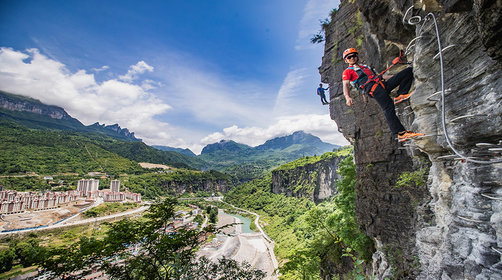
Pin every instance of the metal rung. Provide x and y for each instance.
(407, 107)
(484, 145)
(490, 182)
(455, 157)
(469, 219)
(446, 48)
(410, 47)
(414, 20)
(466, 116)
(496, 250)
(428, 135)
(406, 14)
(495, 149)
(447, 157)
(482, 154)
(446, 92)
(409, 145)
(490, 196)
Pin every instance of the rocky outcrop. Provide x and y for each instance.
(16, 103)
(450, 228)
(35, 114)
(115, 130)
(316, 181)
(193, 186)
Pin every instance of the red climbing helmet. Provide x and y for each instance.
(348, 51)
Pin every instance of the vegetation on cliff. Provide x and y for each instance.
(153, 185)
(341, 152)
(309, 236)
(310, 175)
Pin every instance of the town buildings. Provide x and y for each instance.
(15, 202)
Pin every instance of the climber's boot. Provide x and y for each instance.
(408, 135)
(402, 97)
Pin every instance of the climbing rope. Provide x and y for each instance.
(414, 21)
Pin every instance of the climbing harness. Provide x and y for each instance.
(378, 79)
(414, 20)
(364, 79)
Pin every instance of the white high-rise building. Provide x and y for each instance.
(115, 186)
(87, 185)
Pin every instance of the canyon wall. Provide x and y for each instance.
(316, 181)
(451, 226)
(196, 185)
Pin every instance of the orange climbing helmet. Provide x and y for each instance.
(348, 51)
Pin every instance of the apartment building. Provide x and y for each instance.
(15, 202)
(115, 186)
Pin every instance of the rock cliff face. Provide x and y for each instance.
(15, 103)
(205, 185)
(35, 114)
(452, 227)
(315, 181)
(115, 129)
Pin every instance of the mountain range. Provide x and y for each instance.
(241, 160)
(247, 162)
(34, 114)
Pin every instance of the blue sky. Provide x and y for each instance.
(177, 73)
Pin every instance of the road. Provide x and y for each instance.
(81, 222)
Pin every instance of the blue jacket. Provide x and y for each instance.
(320, 90)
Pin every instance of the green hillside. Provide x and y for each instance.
(140, 152)
(32, 113)
(39, 121)
(308, 234)
(57, 151)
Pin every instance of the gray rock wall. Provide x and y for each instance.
(451, 228)
(316, 181)
(197, 185)
(37, 108)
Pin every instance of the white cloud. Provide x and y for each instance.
(213, 101)
(319, 125)
(105, 67)
(135, 70)
(112, 101)
(251, 113)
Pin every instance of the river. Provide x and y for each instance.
(242, 244)
(246, 223)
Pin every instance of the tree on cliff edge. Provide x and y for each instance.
(143, 249)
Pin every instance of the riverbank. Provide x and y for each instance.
(250, 247)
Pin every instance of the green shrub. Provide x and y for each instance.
(417, 178)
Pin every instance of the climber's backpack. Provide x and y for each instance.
(362, 83)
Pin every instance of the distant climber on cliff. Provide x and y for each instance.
(320, 91)
(366, 81)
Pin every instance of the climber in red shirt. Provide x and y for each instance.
(364, 79)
